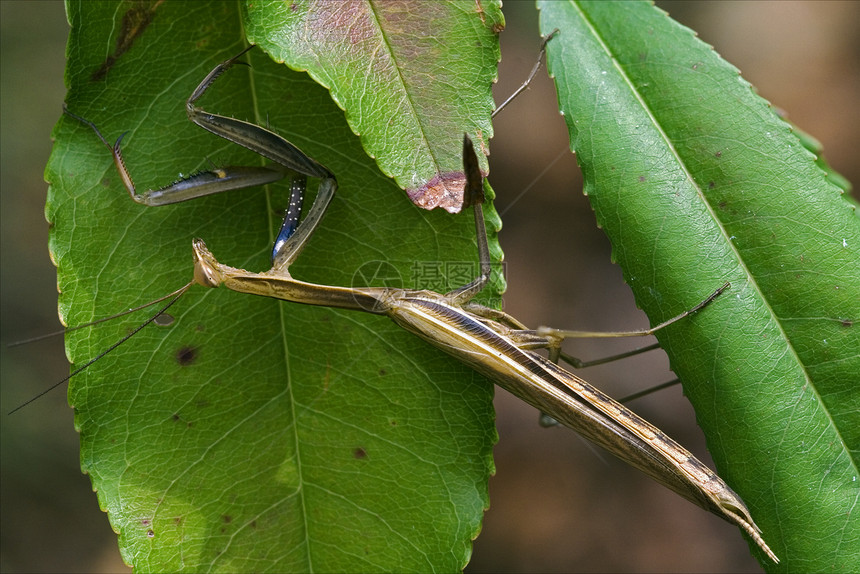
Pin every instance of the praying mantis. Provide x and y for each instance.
(490, 341)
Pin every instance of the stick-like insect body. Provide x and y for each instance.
(492, 342)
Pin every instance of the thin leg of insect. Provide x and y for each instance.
(561, 334)
(546, 337)
(531, 75)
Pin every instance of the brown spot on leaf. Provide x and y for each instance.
(134, 22)
(443, 190)
(186, 355)
(847, 322)
(359, 453)
(227, 518)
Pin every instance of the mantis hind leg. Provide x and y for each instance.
(473, 195)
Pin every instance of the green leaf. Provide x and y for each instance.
(697, 182)
(253, 435)
(389, 65)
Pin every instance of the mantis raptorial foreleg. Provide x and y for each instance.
(257, 139)
(493, 343)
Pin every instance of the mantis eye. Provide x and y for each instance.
(206, 271)
(206, 275)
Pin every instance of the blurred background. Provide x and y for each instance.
(557, 505)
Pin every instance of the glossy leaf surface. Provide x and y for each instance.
(697, 181)
(252, 435)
